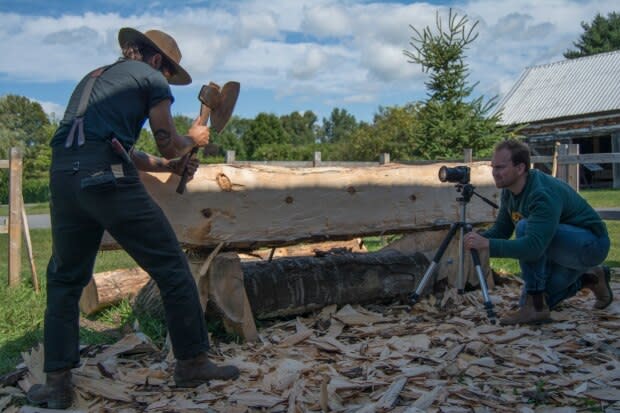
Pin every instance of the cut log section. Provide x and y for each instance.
(111, 287)
(304, 250)
(249, 207)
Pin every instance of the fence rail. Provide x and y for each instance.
(581, 158)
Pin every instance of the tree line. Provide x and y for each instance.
(439, 127)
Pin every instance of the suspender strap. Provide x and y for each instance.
(78, 121)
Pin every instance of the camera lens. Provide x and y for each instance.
(443, 173)
(458, 174)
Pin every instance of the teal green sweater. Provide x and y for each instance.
(545, 202)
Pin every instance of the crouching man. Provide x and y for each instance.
(560, 240)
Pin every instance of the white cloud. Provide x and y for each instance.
(326, 21)
(52, 109)
(305, 68)
(344, 51)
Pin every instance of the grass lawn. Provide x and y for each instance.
(21, 310)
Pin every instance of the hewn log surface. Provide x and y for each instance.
(256, 206)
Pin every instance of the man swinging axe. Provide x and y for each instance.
(218, 104)
(95, 186)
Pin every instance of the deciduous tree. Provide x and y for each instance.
(300, 128)
(265, 129)
(339, 127)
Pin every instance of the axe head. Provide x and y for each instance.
(221, 104)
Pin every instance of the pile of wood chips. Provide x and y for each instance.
(444, 356)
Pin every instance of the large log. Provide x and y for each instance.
(297, 285)
(248, 207)
(110, 287)
(302, 284)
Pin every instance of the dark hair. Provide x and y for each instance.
(143, 52)
(519, 151)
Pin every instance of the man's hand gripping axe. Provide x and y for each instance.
(218, 104)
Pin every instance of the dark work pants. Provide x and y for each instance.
(122, 206)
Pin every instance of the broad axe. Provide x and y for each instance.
(215, 103)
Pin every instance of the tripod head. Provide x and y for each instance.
(461, 175)
(467, 191)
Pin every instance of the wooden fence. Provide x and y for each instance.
(566, 160)
(17, 221)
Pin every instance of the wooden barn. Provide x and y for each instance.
(575, 101)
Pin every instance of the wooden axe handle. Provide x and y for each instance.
(205, 111)
(185, 175)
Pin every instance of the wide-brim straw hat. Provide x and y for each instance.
(162, 42)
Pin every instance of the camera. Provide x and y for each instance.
(458, 174)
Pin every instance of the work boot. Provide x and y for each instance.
(56, 393)
(198, 370)
(533, 311)
(597, 280)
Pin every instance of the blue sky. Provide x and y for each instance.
(288, 55)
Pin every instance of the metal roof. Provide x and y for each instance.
(562, 89)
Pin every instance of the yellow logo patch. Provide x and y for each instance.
(516, 216)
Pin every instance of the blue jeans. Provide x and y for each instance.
(558, 270)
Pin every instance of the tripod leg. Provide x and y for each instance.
(460, 281)
(415, 297)
(488, 305)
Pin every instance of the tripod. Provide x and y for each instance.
(467, 191)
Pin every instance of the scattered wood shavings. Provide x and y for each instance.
(442, 356)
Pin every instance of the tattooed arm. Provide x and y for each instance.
(149, 163)
(169, 143)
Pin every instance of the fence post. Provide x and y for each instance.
(615, 167)
(317, 159)
(15, 217)
(468, 156)
(562, 168)
(573, 168)
(230, 157)
(554, 162)
(384, 158)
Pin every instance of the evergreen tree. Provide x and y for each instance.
(450, 120)
(603, 35)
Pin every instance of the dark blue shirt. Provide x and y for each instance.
(119, 104)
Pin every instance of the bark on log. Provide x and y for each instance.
(110, 287)
(249, 207)
(291, 286)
